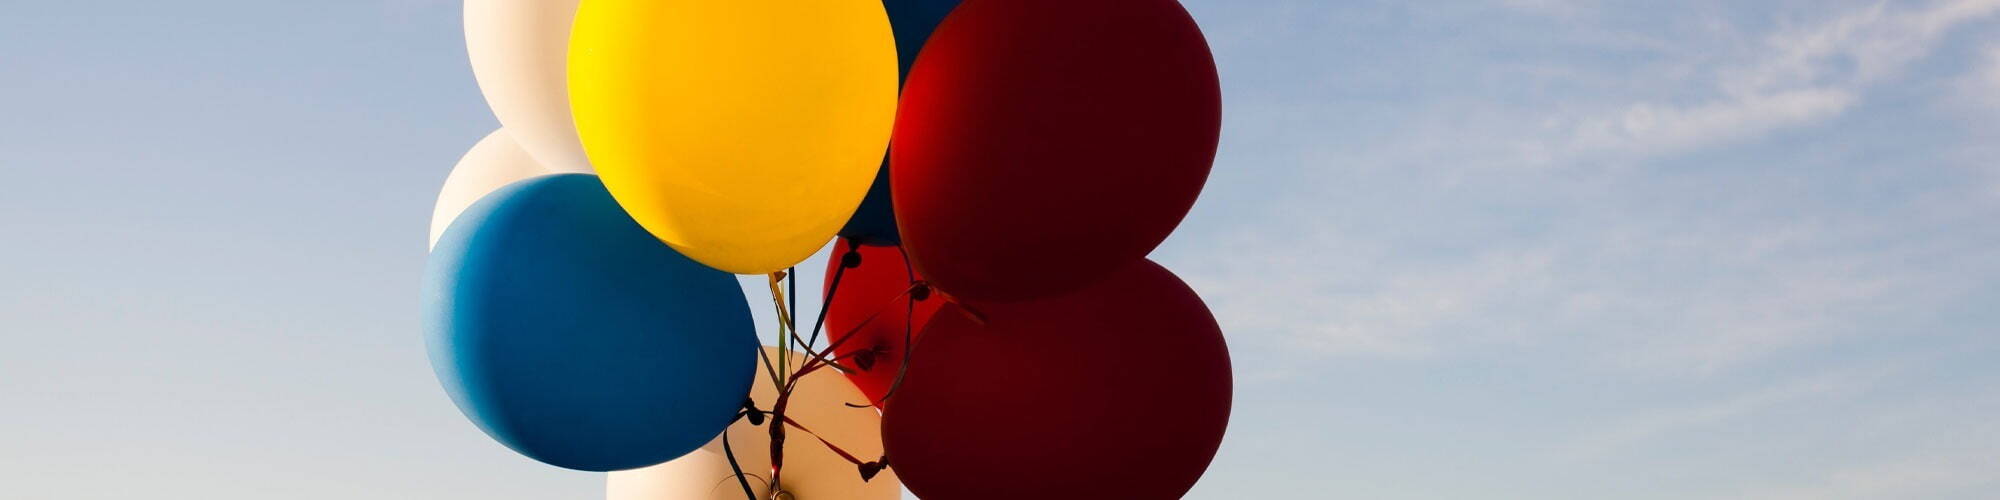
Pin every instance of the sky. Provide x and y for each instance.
(1536, 249)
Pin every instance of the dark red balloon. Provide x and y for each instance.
(875, 288)
(1043, 144)
(1119, 390)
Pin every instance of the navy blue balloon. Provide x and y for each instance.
(912, 21)
(874, 222)
(570, 334)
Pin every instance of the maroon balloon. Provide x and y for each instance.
(1042, 144)
(876, 288)
(1119, 390)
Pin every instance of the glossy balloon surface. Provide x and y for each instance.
(1119, 390)
(569, 334)
(874, 312)
(874, 222)
(1043, 144)
(743, 133)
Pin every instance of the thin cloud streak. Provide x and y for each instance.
(1665, 271)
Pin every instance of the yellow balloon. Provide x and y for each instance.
(743, 133)
(812, 472)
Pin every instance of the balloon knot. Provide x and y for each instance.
(921, 291)
(870, 469)
(865, 359)
(851, 259)
(750, 410)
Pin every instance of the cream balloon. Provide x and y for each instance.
(494, 162)
(812, 472)
(520, 54)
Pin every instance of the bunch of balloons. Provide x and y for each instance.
(995, 171)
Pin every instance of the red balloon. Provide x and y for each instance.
(1119, 390)
(875, 288)
(1042, 144)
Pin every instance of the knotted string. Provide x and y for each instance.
(787, 380)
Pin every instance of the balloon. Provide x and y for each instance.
(874, 222)
(494, 162)
(518, 50)
(743, 133)
(1118, 390)
(1043, 144)
(913, 21)
(570, 335)
(875, 289)
(812, 472)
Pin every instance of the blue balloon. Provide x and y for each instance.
(570, 334)
(912, 21)
(874, 222)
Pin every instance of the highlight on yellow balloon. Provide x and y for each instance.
(811, 471)
(742, 133)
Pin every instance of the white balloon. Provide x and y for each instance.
(494, 162)
(520, 55)
(812, 472)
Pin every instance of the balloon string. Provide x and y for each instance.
(730, 453)
(784, 322)
(788, 331)
(850, 333)
(878, 313)
(909, 342)
(786, 381)
(867, 469)
(792, 287)
(853, 256)
(850, 258)
(822, 439)
(819, 358)
(909, 325)
(768, 368)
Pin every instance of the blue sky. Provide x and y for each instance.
(1487, 249)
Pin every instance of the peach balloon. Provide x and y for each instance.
(520, 56)
(812, 472)
(494, 162)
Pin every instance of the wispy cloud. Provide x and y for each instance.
(1570, 215)
(1666, 423)
(1796, 76)
(1981, 86)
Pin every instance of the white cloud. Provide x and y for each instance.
(1336, 299)
(1858, 48)
(1641, 291)
(1797, 76)
(1634, 268)
(1646, 128)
